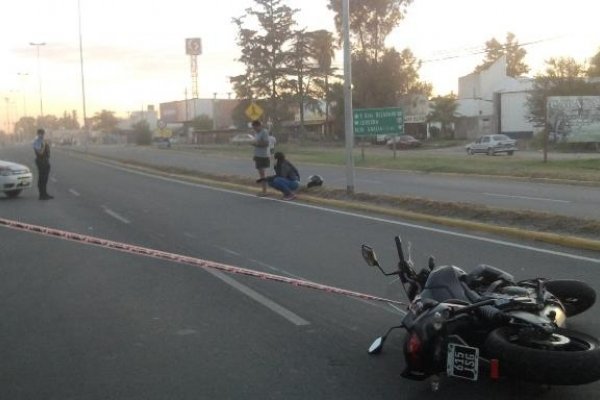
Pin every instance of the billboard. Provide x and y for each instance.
(193, 46)
(574, 119)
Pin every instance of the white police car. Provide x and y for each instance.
(14, 178)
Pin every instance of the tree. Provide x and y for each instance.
(514, 52)
(323, 46)
(371, 21)
(105, 121)
(594, 70)
(563, 77)
(142, 132)
(69, 121)
(202, 123)
(26, 127)
(380, 75)
(381, 84)
(336, 98)
(264, 53)
(443, 110)
(300, 71)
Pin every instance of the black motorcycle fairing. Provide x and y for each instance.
(444, 283)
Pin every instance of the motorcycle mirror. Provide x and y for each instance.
(431, 263)
(369, 255)
(376, 346)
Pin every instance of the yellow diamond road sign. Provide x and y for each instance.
(254, 111)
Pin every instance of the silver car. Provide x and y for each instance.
(492, 144)
(14, 178)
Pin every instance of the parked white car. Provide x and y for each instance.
(14, 178)
(492, 144)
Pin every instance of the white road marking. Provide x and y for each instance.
(226, 250)
(74, 192)
(53, 179)
(367, 217)
(526, 197)
(254, 295)
(278, 270)
(115, 215)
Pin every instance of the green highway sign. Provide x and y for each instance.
(378, 121)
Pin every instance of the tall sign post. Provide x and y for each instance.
(193, 48)
(348, 128)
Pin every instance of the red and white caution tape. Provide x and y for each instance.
(197, 262)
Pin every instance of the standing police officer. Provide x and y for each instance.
(42, 161)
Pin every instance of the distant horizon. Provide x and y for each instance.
(137, 58)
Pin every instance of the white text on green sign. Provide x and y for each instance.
(373, 121)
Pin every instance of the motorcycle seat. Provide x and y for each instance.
(446, 283)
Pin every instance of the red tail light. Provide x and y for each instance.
(413, 348)
(494, 369)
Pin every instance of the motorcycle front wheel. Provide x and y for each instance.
(576, 296)
(566, 357)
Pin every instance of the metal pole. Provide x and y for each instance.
(85, 124)
(37, 45)
(348, 122)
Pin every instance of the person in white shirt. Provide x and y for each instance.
(262, 159)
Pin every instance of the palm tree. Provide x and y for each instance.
(443, 110)
(323, 46)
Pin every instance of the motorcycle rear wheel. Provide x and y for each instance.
(568, 358)
(576, 296)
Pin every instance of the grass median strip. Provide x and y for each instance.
(549, 228)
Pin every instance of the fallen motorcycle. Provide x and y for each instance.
(460, 324)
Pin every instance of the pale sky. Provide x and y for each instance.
(134, 53)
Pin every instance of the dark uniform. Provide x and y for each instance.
(42, 161)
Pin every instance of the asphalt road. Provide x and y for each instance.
(84, 322)
(561, 199)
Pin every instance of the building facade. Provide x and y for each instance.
(492, 102)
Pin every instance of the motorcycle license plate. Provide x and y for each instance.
(462, 362)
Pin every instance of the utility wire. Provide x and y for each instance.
(483, 51)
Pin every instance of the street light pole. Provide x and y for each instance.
(85, 125)
(38, 45)
(348, 121)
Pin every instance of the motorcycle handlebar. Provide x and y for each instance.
(399, 248)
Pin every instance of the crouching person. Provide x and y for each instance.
(286, 179)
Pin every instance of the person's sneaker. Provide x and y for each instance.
(46, 197)
(261, 194)
(289, 197)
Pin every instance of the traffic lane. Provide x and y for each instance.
(332, 238)
(329, 263)
(166, 342)
(92, 219)
(145, 199)
(93, 323)
(155, 336)
(570, 200)
(582, 202)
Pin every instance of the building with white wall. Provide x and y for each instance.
(491, 102)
